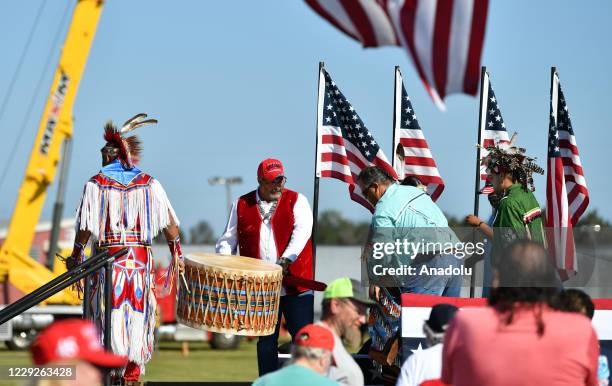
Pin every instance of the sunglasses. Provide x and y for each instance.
(357, 307)
(277, 181)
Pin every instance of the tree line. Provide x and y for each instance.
(334, 229)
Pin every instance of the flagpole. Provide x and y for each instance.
(317, 175)
(477, 177)
(549, 216)
(394, 155)
(553, 113)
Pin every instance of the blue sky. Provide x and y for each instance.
(233, 82)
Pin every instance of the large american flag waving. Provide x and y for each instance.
(444, 38)
(567, 195)
(345, 145)
(412, 154)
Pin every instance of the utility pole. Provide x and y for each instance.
(58, 208)
(228, 182)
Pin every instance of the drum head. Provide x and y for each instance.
(233, 264)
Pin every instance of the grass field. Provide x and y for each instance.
(168, 363)
(203, 363)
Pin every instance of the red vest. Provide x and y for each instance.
(282, 221)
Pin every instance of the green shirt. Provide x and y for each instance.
(294, 375)
(518, 217)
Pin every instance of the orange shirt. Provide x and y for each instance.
(480, 350)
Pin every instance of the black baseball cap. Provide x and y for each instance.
(440, 316)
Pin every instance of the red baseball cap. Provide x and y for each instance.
(313, 335)
(433, 382)
(73, 339)
(269, 169)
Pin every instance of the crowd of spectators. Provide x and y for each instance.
(532, 332)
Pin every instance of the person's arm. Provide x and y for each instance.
(482, 226)
(82, 232)
(171, 232)
(302, 229)
(78, 250)
(485, 229)
(227, 244)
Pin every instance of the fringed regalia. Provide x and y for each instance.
(119, 216)
(124, 207)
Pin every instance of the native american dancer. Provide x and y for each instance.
(125, 207)
(518, 215)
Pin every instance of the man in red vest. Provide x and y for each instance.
(274, 224)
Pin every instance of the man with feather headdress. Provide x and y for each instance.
(123, 207)
(518, 215)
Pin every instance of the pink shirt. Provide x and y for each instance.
(480, 350)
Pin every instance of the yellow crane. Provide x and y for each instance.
(22, 272)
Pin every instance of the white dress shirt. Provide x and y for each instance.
(302, 229)
(421, 366)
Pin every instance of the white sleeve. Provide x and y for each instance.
(302, 228)
(407, 375)
(228, 242)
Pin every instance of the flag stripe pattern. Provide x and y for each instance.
(493, 130)
(413, 157)
(443, 37)
(567, 195)
(562, 137)
(345, 146)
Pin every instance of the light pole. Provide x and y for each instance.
(228, 182)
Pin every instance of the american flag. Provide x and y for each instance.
(412, 154)
(493, 128)
(444, 38)
(567, 195)
(345, 146)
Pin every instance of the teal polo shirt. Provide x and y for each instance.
(408, 213)
(294, 375)
(407, 207)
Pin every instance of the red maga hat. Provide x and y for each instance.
(73, 339)
(269, 169)
(313, 335)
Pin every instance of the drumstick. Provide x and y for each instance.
(185, 282)
(182, 274)
(303, 282)
(176, 265)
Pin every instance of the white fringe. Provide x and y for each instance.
(119, 336)
(136, 342)
(122, 210)
(89, 210)
(161, 210)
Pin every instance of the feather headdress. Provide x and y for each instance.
(508, 158)
(129, 147)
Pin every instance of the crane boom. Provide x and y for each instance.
(24, 273)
